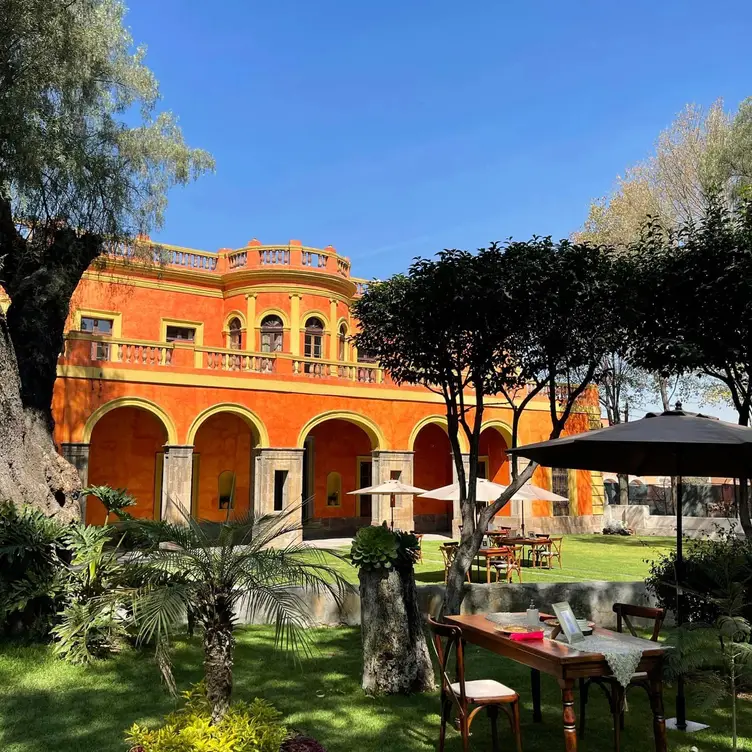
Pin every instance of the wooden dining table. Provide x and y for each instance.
(488, 554)
(567, 666)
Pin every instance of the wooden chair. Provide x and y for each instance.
(448, 552)
(549, 551)
(485, 694)
(507, 562)
(419, 536)
(615, 693)
(540, 552)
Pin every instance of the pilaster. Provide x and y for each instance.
(78, 456)
(388, 465)
(295, 323)
(289, 464)
(177, 481)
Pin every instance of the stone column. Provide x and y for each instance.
(386, 465)
(266, 463)
(177, 483)
(456, 511)
(78, 456)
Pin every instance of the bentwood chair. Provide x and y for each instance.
(448, 552)
(615, 693)
(545, 553)
(470, 697)
(507, 562)
(419, 536)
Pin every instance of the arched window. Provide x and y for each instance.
(333, 490)
(226, 483)
(272, 334)
(314, 338)
(342, 350)
(236, 336)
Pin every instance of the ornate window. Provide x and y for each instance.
(560, 485)
(272, 334)
(314, 338)
(235, 338)
(342, 343)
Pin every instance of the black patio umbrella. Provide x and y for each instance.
(675, 443)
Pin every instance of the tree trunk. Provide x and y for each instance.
(744, 512)
(623, 489)
(395, 652)
(219, 648)
(31, 470)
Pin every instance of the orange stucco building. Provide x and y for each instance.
(208, 381)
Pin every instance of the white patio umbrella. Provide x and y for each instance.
(487, 491)
(390, 488)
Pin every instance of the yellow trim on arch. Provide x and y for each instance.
(248, 416)
(314, 313)
(439, 420)
(273, 312)
(503, 428)
(234, 314)
(137, 402)
(378, 440)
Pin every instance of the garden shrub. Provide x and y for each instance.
(707, 563)
(33, 554)
(246, 727)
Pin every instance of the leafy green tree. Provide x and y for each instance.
(693, 311)
(86, 161)
(488, 326)
(248, 566)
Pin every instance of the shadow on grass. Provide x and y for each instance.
(46, 705)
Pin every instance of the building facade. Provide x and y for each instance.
(208, 382)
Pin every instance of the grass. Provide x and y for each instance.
(584, 557)
(47, 705)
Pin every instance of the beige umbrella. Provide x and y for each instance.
(486, 491)
(390, 488)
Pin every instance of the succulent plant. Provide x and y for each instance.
(375, 547)
(378, 547)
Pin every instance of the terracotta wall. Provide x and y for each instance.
(493, 446)
(223, 442)
(124, 445)
(432, 468)
(337, 445)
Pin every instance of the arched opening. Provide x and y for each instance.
(337, 459)
(314, 345)
(235, 334)
(272, 334)
(222, 467)
(127, 452)
(493, 463)
(638, 492)
(432, 468)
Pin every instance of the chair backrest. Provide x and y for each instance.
(624, 610)
(448, 552)
(453, 641)
(557, 542)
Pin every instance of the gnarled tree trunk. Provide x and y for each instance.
(31, 470)
(395, 652)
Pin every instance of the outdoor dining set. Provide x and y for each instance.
(506, 552)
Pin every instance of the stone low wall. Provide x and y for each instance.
(592, 600)
(587, 523)
(638, 518)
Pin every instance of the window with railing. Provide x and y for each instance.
(235, 338)
(314, 341)
(102, 328)
(272, 334)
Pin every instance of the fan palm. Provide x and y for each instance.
(246, 566)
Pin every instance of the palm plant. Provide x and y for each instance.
(249, 565)
(115, 500)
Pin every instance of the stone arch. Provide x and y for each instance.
(439, 420)
(503, 428)
(234, 314)
(273, 312)
(137, 402)
(378, 441)
(257, 426)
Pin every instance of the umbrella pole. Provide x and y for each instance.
(681, 704)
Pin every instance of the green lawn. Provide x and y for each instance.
(584, 557)
(49, 706)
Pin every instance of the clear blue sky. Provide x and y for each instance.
(394, 129)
